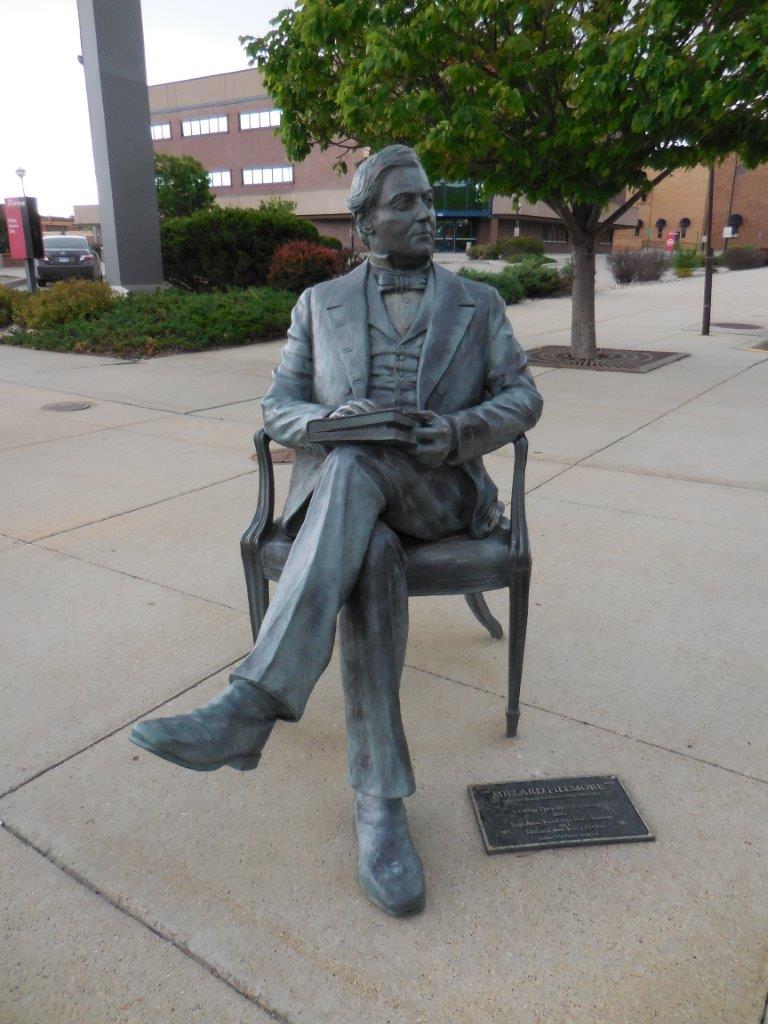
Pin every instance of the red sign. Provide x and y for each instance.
(671, 241)
(17, 236)
(25, 238)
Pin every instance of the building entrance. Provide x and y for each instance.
(453, 233)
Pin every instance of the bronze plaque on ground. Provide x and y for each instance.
(544, 813)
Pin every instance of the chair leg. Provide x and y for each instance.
(518, 621)
(482, 613)
(257, 587)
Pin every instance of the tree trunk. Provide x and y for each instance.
(583, 339)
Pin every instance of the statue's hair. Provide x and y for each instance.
(366, 183)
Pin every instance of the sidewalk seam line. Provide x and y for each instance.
(120, 907)
(119, 728)
(655, 419)
(646, 515)
(138, 508)
(133, 576)
(594, 725)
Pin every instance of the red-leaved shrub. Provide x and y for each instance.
(298, 265)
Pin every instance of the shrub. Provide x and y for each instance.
(182, 185)
(6, 306)
(629, 265)
(147, 324)
(330, 242)
(228, 247)
(298, 265)
(652, 265)
(506, 284)
(539, 280)
(685, 261)
(520, 246)
(66, 301)
(742, 257)
(529, 279)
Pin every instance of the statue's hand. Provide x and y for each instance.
(351, 408)
(434, 439)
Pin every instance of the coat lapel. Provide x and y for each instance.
(347, 313)
(453, 311)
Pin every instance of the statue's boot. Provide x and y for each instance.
(390, 868)
(230, 730)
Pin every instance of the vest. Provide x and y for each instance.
(395, 357)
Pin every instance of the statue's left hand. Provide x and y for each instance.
(434, 438)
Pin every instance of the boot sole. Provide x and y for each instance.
(406, 910)
(245, 763)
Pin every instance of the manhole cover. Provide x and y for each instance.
(739, 327)
(618, 359)
(68, 406)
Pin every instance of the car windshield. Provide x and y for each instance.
(65, 242)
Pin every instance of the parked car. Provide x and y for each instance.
(67, 256)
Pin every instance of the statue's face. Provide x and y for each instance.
(402, 223)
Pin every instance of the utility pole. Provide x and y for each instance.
(118, 104)
(708, 259)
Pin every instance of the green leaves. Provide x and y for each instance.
(182, 185)
(544, 97)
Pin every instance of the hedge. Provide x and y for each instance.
(144, 324)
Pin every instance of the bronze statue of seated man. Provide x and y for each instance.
(403, 333)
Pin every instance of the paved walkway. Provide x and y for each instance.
(135, 892)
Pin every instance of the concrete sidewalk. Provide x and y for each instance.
(137, 893)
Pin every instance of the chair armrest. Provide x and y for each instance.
(518, 532)
(265, 506)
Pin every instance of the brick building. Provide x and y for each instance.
(227, 122)
(679, 204)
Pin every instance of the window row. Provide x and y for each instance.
(205, 126)
(218, 124)
(260, 119)
(252, 176)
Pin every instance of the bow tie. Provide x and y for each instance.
(391, 282)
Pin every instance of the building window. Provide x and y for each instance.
(205, 126)
(160, 131)
(267, 175)
(220, 179)
(606, 238)
(260, 119)
(554, 234)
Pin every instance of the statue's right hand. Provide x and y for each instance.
(352, 408)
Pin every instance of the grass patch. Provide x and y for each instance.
(163, 322)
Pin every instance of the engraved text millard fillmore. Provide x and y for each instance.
(556, 812)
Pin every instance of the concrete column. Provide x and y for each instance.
(118, 103)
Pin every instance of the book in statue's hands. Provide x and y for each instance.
(383, 426)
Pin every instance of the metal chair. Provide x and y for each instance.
(456, 565)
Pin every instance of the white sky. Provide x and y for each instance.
(45, 126)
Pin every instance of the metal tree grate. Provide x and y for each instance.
(67, 406)
(617, 359)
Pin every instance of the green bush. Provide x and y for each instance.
(507, 285)
(685, 261)
(148, 324)
(66, 301)
(6, 306)
(227, 247)
(529, 279)
(539, 280)
(511, 249)
(742, 257)
(299, 265)
(330, 242)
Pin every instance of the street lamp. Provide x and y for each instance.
(21, 172)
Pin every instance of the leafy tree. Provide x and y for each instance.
(182, 185)
(566, 101)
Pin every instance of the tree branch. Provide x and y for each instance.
(629, 203)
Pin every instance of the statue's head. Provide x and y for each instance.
(391, 203)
